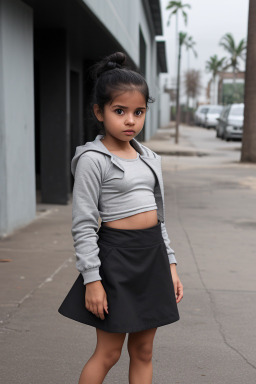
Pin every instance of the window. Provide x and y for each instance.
(237, 111)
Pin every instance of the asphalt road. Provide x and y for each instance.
(211, 220)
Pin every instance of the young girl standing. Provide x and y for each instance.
(128, 281)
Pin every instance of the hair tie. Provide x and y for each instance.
(113, 65)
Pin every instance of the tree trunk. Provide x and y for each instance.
(235, 98)
(249, 134)
(177, 42)
(187, 107)
(214, 89)
(178, 99)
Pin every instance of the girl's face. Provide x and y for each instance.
(124, 116)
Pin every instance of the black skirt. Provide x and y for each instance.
(136, 276)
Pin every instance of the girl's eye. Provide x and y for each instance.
(119, 111)
(138, 113)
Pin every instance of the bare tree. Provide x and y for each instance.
(192, 80)
(249, 135)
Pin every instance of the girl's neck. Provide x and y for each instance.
(113, 144)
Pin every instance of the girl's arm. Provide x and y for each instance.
(85, 217)
(178, 287)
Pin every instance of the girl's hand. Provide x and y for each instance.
(96, 299)
(178, 287)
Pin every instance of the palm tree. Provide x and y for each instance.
(176, 7)
(249, 135)
(190, 44)
(214, 65)
(187, 41)
(236, 52)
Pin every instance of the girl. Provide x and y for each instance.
(128, 281)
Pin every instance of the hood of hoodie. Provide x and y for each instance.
(97, 145)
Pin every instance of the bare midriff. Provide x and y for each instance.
(139, 221)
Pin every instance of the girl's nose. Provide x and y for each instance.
(130, 119)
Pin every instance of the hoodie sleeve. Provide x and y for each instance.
(85, 217)
(170, 251)
(167, 241)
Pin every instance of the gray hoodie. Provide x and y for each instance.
(88, 167)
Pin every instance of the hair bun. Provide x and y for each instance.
(118, 58)
(113, 61)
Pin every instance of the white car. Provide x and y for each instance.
(200, 114)
(212, 115)
(231, 122)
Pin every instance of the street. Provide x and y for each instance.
(210, 201)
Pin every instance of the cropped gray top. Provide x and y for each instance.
(132, 194)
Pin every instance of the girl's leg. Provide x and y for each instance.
(106, 354)
(140, 348)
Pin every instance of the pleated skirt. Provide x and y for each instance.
(136, 276)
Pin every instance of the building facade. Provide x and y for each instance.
(216, 87)
(46, 48)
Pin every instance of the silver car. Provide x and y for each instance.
(212, 115)
(231, 122)
(200, 114)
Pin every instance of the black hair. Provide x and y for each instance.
(111, 75)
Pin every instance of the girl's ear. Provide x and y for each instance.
(97, 112)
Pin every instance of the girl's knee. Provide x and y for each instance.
(111, 357)
(142, 352)
(109, 347)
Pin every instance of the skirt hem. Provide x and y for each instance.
(132, 330)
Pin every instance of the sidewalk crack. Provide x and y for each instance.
(32, 292)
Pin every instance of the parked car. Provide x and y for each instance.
(200, 114)
(231, 120)
(221, 119)
(212, 115)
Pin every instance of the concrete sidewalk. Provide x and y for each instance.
(163, 142)
(210, 218)
(193, 142)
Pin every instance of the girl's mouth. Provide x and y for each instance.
(129, 132)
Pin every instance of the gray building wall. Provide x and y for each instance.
(165, 101)
(17, 173)
(122, 19)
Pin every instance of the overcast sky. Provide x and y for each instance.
(208, 21)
